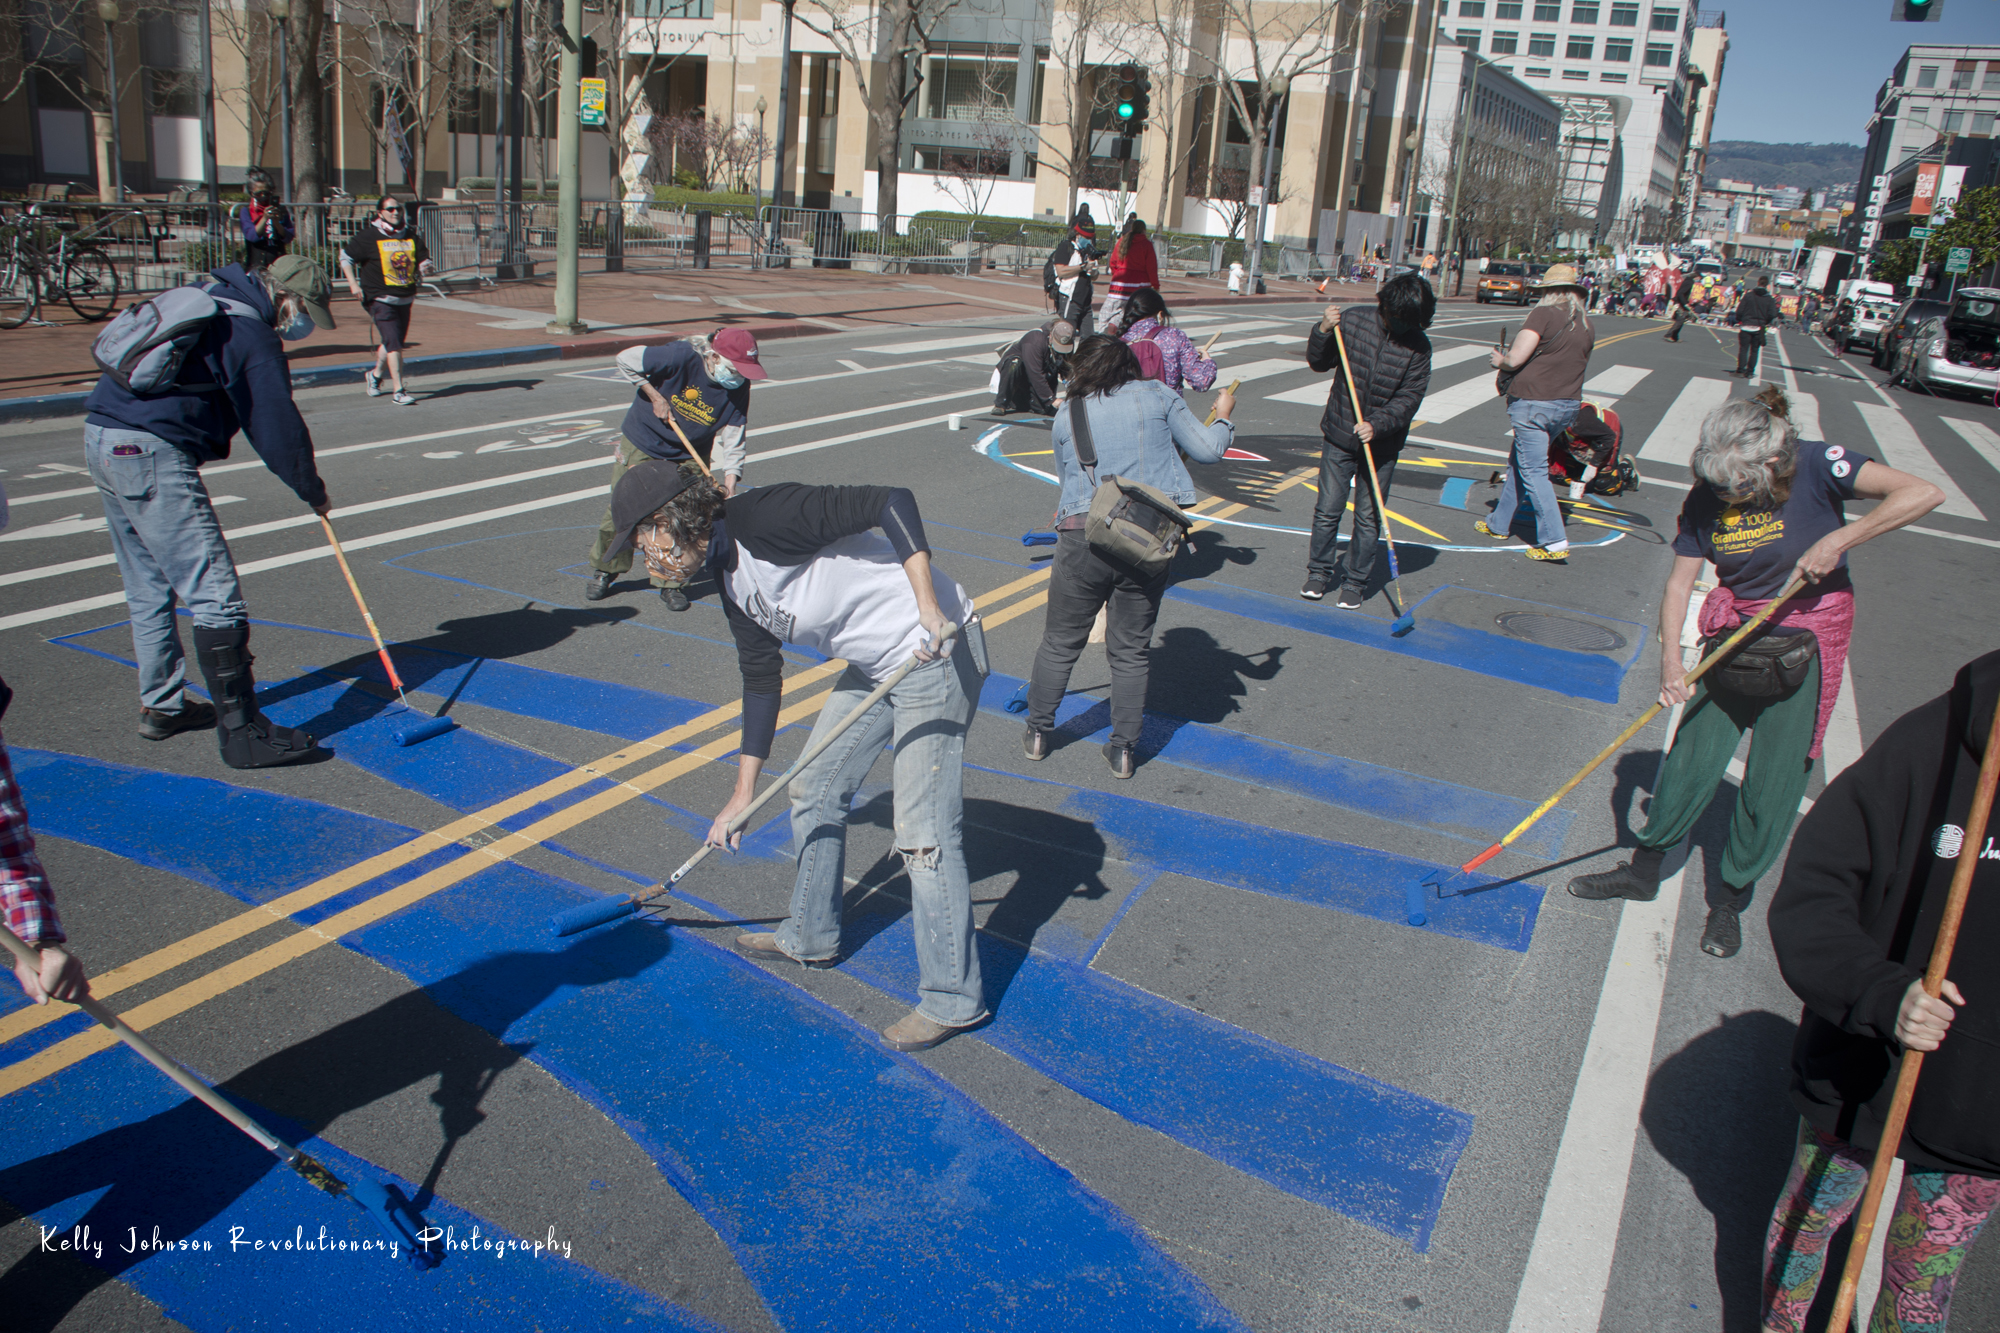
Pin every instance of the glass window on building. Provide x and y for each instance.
(1469, 38)
(1982, 124)
(1041, 80)
(1583, 13)
(1961, 74)
(1541, 43)
(1576, 74)
(1548, 13)
(1620, 51)
(1659, 56)
(1506, 43)
(672, 9)
(1506, 10)
(1954, 122)
(1992, 84)
(1666, 20)
(1608, 77)
(1580, 48)
(1624, 15)
(1927, 76)
(1472, 9)
(967, 81)
(1537, 72)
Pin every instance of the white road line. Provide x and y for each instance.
(1569, 1265)
(16, 501)
(1618, 380)
(1468, 448)
(58, 611)
(1258, 370)
(1784, 363)
(942, 344)
(1673, 440)
(1902, 450)
(1452, 356)
(1259, 341)
(1983, 441)
(1953, 536)
(1842, 745)
(1805, 415)
(1444, 404)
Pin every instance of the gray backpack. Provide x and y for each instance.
(143, 349)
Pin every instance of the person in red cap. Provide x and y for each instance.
(701, 385)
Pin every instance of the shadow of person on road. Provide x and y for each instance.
(184, 1167)
(1718, 1110)
(1196, 679)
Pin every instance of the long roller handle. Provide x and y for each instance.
(1374, 481)
(1233, 386)
(381, 649)
(596, 914)
(699, 461)
(1913, 1061)
(1728, 644)
(1203, 353)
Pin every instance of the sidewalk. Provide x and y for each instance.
(51, 370)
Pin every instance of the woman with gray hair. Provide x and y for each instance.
(1542, 376)
(1766, 509)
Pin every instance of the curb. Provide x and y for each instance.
(54, 405)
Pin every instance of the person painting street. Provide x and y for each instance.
(1547, 362)
(1390, 357)
(1135, 268)
(145, 451)
(1138, 428)
(1853, 922)
(1031, 371)
(844, 571)
(1766, 509)
(1147, 319)
(383, 263)
(1757, 313)
(695, 390)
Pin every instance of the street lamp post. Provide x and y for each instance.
(1279, 86)
(208, 133)
(281, 13)
(108, 11)
(785, 118)
(762, 106)
(500, 8)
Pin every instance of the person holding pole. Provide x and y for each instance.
(1863, 898)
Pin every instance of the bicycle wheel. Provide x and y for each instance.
(18, 296)
(90, 284)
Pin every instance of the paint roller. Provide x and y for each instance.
(424, 727)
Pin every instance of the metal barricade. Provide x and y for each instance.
(829, 238)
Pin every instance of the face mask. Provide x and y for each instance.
(727, 377)
(301, 325)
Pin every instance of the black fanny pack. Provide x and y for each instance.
(1766, 666)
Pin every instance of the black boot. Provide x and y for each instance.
(1637, 880)
(248, 738)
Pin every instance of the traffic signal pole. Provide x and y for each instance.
(569, 178)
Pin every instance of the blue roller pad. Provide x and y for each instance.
(1038, 539)
(591, 914)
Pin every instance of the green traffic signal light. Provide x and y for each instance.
(1125, 110)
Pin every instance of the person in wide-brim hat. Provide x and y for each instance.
(1561, 276)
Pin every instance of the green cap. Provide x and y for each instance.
(307, 280)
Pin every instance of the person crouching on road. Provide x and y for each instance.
(1766, 509)
(145, 452)
(698, 390)
(383, 262)
(1033, 369)
(1853, 921)
(1136, 427)
(1391, 364)
(845, 571)
(1549, 358)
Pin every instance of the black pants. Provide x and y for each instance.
(1681, 314)
(1081, 582)
(1340, 472)
(1748, 344)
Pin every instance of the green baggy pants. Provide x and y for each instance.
(1774, 776)
(629, 457)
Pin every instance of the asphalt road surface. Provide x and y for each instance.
(1227, 1086)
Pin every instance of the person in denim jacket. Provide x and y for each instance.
(1147, 319)
(1139, 429)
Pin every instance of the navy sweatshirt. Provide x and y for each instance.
(247, 359)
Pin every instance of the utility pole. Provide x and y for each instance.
(780, 178)
(108, 11)
(281, 13)
(569, 171)
(1279, 86)
(215, 228)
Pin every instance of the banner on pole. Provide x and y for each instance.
(590, 102)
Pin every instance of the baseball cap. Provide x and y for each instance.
(740, 346)
(639, 495)
(307, 280)
(1062, 336)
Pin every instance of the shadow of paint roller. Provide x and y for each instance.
(424, 727)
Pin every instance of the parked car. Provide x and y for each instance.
(1959, 349)
(1786, 281)
(1899, 328)
(1872, 314)
(1503, 282)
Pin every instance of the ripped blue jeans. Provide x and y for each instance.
(926, 716)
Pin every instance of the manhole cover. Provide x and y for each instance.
(1582, 636)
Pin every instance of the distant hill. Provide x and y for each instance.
(1809, 166)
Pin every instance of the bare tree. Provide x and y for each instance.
(412, 68)
(1087, 38)
(634, 33)
(62, 42)
(1507, 191)
(256, 105)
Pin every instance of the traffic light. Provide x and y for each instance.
(1142, 99)
(1125, 105)
(1915, 11)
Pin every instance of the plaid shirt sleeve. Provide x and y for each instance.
(24, 886)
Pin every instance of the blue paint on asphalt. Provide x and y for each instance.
(1390, 794)
(1375, 1153)
(1456, 491)
(912, 1191)
(1558, 670)
(112, 1150)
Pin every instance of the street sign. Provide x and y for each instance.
(1920, 233)
(590, 102)
(1958, 259)
(1256, 196)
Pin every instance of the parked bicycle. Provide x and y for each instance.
(69, 268)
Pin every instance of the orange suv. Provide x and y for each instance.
(1503, 282)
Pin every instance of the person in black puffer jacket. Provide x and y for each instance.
(1754, 314)
(1853, 922)
(1392, 369)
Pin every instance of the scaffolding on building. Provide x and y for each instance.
(1589, 146)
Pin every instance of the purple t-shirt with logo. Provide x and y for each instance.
(1755, 550)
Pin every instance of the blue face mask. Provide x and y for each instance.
(727, 377)
(301, 325)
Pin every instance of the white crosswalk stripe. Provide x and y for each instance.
(1673, 440)
(1982, 439)
(1805, 415)
(1901, 449)
(1315, 392)
(1444, 404)
(1617, 380)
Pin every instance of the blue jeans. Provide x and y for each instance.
(1535, 422)
(169, 547)
(926, 716)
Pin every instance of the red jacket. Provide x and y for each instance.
(1134, 267)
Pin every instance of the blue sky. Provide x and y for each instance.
(1806, 71)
